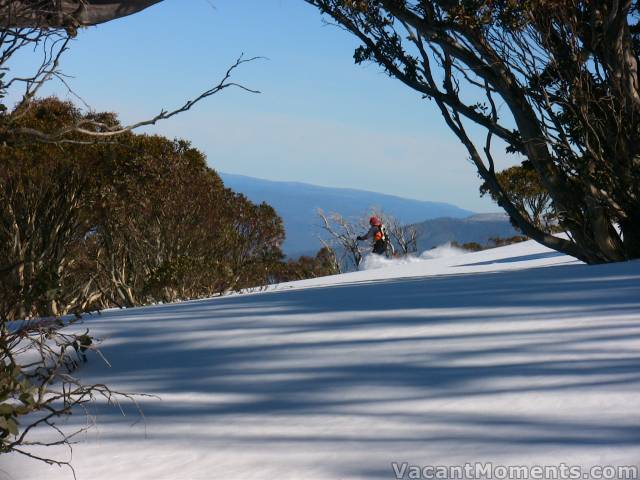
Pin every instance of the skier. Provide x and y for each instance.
(379, 234)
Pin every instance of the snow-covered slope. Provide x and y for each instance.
(515, 356)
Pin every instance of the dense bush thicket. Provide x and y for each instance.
(323, 264)
(140, 220)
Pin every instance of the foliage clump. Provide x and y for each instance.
(521, 184)
(137, 221)
(325, 263)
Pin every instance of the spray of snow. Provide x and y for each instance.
(443, 251)
(373, 262)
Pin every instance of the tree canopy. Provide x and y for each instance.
(137, 221)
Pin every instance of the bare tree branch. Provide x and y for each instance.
(95, 131)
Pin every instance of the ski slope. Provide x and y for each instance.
(515, 356)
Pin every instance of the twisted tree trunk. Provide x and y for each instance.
(66, 13)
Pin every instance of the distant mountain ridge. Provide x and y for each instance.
(297, 204)
(478, 228)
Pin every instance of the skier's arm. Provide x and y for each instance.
(369, 234)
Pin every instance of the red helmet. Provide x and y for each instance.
(375, 222)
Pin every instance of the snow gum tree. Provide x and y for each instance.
(556, 80)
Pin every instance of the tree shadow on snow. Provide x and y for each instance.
(367, 349)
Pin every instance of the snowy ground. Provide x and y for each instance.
(483, 357)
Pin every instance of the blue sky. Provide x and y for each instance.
(319, 119)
